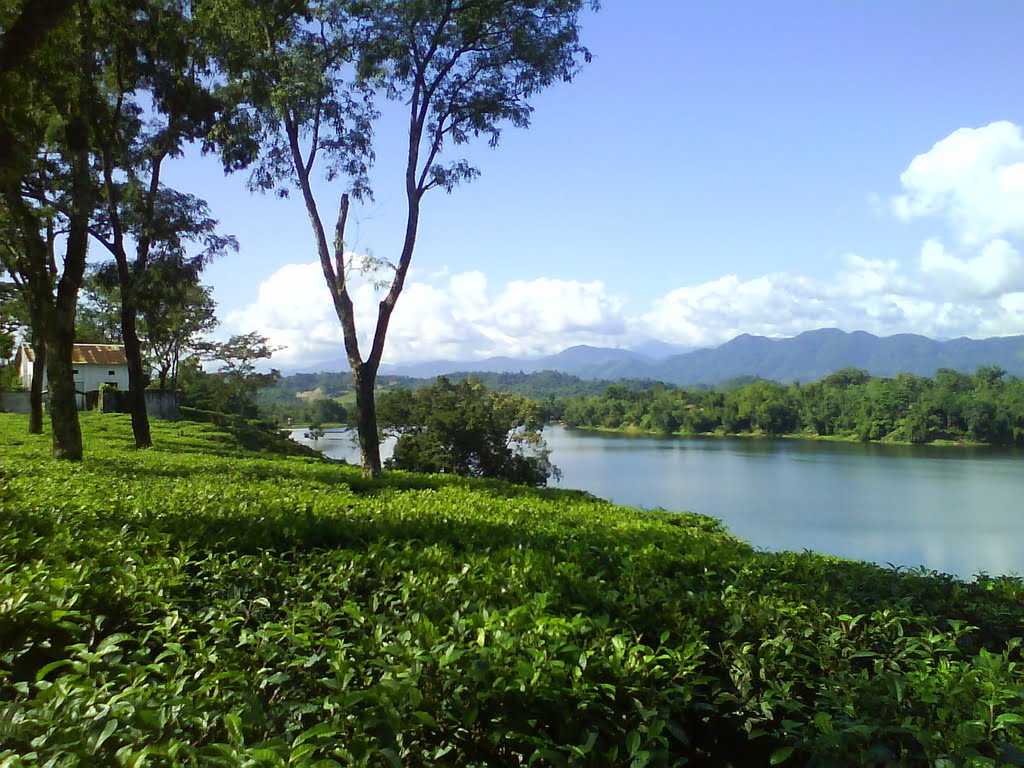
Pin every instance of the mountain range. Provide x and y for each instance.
(806, 357)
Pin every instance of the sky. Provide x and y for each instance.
(719, 168)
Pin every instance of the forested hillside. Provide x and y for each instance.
(986, 407)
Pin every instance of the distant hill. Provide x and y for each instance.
(582, 361)
(806, 357)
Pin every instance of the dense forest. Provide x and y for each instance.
(987, 407)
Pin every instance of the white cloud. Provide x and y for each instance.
(996, 270)
(945, 296)
(459, 317)
(974, 178)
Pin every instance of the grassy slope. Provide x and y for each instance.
(215, 606)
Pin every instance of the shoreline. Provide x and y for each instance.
(637, 431)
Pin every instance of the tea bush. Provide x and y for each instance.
(199, 604)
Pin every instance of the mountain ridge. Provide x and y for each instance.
(805, 357)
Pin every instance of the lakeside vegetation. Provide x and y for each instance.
(203, 604)
(987, 407)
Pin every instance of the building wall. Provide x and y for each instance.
(26, 372)
(89, 378)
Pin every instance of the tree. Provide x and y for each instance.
(176, 312)
(45, 139)
(463, 68)
(98, 320)
(288, 76)
(24, 307)
(152, 100)
(238, 357)
(10, 322)
(463, 428)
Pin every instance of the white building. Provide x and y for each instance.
(94, 366)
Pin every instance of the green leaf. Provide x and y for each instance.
(105, 734)
(781, 755)
(1010, 718)
(48, 668)
(633, 742)
(318, 731)
(233, 724)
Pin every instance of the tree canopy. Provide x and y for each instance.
(466, 429)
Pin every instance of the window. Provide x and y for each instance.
(110, 373)
(74, 371)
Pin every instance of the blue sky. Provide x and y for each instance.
(705, 141)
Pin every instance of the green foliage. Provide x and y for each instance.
(233, 387)
(12, 312)
(201, 605)
(986, 408)
(466, 429)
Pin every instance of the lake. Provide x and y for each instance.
(951, 509)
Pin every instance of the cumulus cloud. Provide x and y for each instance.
(944, 295)
(996, 270)
(974, 178)
(440, 316)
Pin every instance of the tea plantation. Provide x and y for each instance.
(204, 604)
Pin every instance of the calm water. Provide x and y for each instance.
(957, 510)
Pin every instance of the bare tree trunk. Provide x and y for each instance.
(67, 432)
(364, 382)
(35, 418)
(136, 370)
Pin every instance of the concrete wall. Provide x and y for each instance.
(160, 404)
(15, 402)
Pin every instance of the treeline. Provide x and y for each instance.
(319, 398)
(987, 407)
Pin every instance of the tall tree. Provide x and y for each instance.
(46, 113)
(154, 100)
(289, 74)
(33, 281)
(463, 68)
(176, 311)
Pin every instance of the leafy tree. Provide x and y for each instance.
(233, 387)
(463, 68)
(152, 99)
(463, 428)
(176, 314)
(288, 73)
(98, 320)
(47, 103)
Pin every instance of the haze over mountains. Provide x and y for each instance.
(806, 357)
